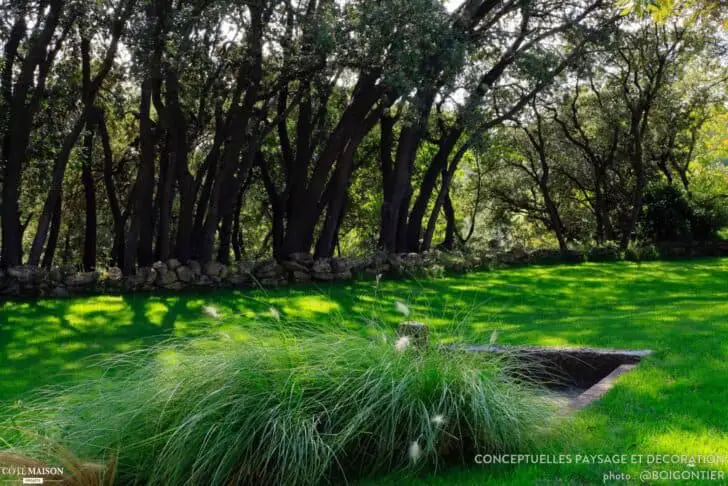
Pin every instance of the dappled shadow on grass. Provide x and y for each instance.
(672, 403)
(48, 341)
(607, 305)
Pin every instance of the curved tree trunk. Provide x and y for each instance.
(50, 250)
(89, 189)
(117, 217)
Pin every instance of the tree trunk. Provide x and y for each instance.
(226, 229)
(20, 115)
(237, 230)
(138, 245)
(305, 205)
(89, 189)
(50, 249)
(277, 205)
(451, 226)
(395, 207)
(53, 198)
(437, 166)
(338, 190)
(556, 224)
(447, 175)
(637, 202)
(165, 196)
(232, 171)
(118, 219)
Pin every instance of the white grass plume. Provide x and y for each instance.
(402, 343)
(415, 451)
(211, 311)
(402, 308)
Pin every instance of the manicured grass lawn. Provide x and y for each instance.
(676, 402)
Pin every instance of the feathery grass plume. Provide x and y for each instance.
(402, 343)
(414, 452)
(438, 420)
(211, 311)
(275, 313)
(294, 409)
(402, 308)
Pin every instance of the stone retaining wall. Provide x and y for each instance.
(28, 281)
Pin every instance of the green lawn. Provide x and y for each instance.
(676, 402)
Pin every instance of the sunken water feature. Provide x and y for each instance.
(576, 376)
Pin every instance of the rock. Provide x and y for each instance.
(359, 265)
(268, 269)
(341, 265)
(294, 266)
(173, 264)
(147, 276)
(81, 279)
(204, 281)
(323, 276)
(272, 282)
(305, 259)
(246, 267)
(133, 282)
(377, 269)
(185, 274)
(55, 275)
(300, 277)
(322, 265)
(395, 261)
(23, 273)
(195, 267)
(161, 269)
(379, 258)
(347, 275)
(143, 279)
(10, 288)
(213, 269)
(59, 292)
(114, 274)
(238, 280)
(168, 279)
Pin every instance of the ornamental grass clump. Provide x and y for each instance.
(286, 410)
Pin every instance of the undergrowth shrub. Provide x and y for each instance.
(642, 253)
(556, 257)
(607, 253)
(671, 214)
(288, 410)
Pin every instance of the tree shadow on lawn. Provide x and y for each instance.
(51, 341)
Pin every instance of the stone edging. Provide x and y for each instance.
(26, 281)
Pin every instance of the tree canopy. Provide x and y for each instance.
(142, 130)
